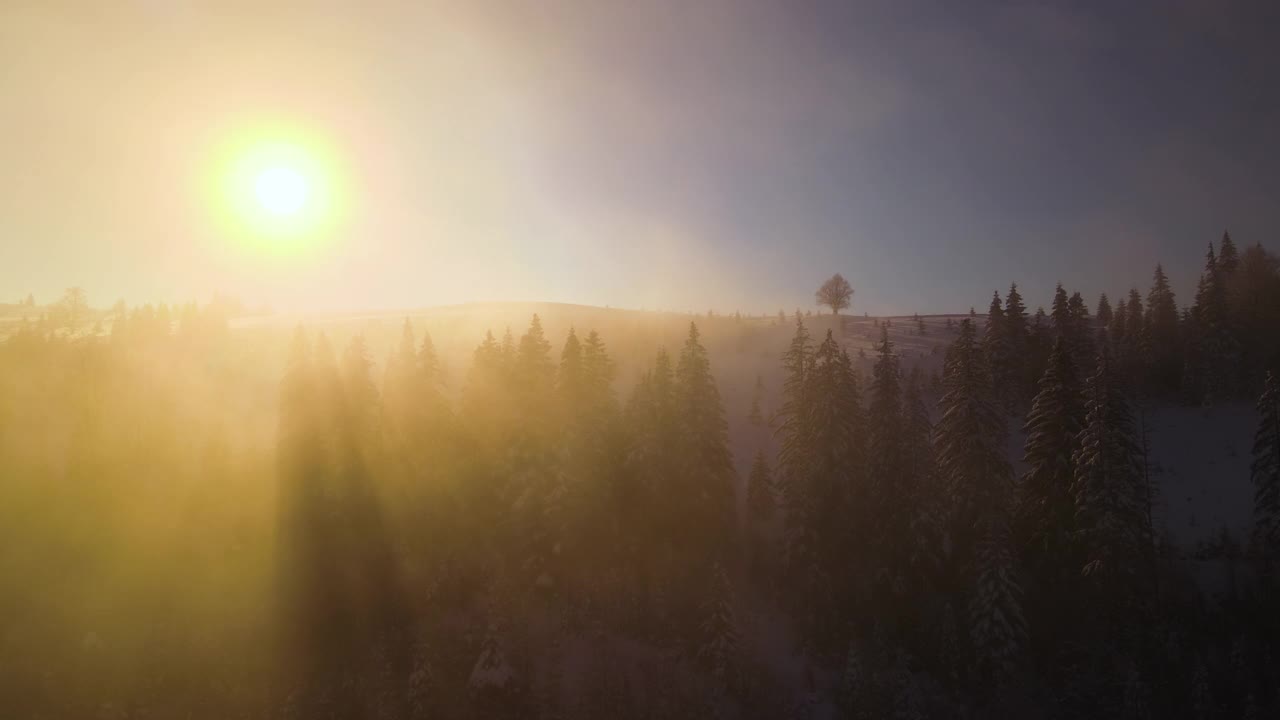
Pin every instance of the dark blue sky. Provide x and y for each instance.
(659, 154)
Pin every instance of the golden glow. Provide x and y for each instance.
(278, 190)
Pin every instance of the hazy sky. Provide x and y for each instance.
(680, 154)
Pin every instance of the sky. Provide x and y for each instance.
(718, 154)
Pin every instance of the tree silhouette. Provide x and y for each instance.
(835, 293)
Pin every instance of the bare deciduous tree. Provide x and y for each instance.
(835, 293)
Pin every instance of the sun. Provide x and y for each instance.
(277, 191)
(281, 190)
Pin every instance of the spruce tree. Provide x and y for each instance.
(1137, 357)
(999, 629)
(570, 385)
(1228, 256)
(1213, 343)
(1015, 316)
(1161, 321)
(892, 491)
(707, 463)
(1112, 501)
(429, 362)
(1060, 313)
(923, 530)
(1254, 304)
(718, 649)
(597, 372)
(1103, 312)
(1046, 504)
(820, 464)
(969, 440)
(995, 343)
(1116, 329)
(1083, 344)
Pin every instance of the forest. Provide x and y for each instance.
(204, 517)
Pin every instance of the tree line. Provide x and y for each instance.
(528, 539)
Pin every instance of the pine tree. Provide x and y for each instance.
(1104, 310)
(1265, 471)
(999, 629)
(822, 452)
(1046, 504)
(1135, 355)
(797, 435)
(1253, 295)
(1228, 256)
(919, 478)
(1116, 329)
(1015, 315)
(1060, 313)
(1111, 494)
(718, 651)
(1081, 329)
(535, 371)
(1214, 347)
(570, 384)
(1161, 322)
(892, 493)
(995, 343)
(597, 372)
(429, 362)
(969, 440)
(708, 465)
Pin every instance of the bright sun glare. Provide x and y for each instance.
(277, 191)
(281, 190)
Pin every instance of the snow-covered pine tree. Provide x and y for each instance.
(998, 628)
(1110, 490)
(1265, 471)
(970, 444)
(969, 441)
(1046, 505)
